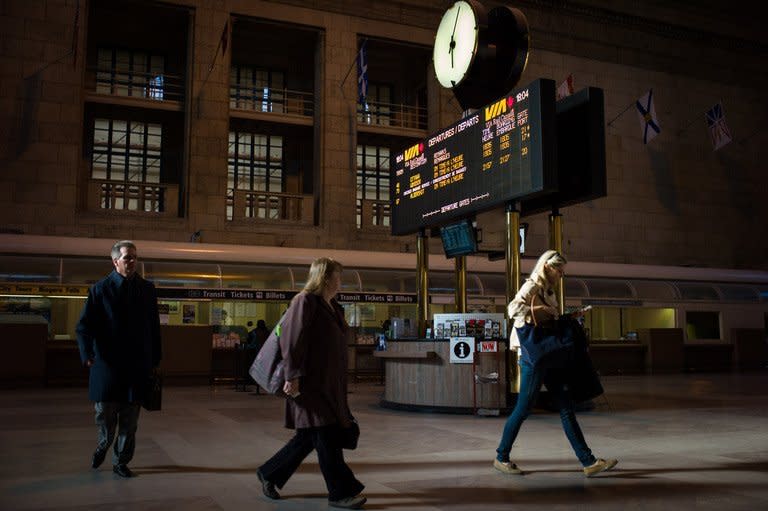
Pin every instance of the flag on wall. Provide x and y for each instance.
(224, 41)
(362, 73)
(75, 34)
(718, 129)
(565, 89)
(648, 121)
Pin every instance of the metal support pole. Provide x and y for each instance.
(422, 263)
(512, 253)
(513, 277)
(556, 243)
(461, 284)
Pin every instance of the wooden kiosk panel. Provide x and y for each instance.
(23, 362)
(749, 348)
(186, 352)
(664, 351)
(420, 375)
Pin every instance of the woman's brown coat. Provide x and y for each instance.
(313, 342)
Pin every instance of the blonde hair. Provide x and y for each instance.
(551, 258)
(319, 273)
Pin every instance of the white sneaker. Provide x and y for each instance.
(506, 467)
(600, 465)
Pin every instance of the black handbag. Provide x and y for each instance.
(350, 435)
(584, 381)
(153, 400)
(550, 344)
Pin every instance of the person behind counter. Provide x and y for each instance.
(258, 336)
(313, 342)
(549, 269)
(119, 339)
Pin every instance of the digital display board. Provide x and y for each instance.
(459, 239)
(581, 172)
(502, 152)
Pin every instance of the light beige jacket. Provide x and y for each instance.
(519, 309)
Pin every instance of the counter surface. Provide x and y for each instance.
(420, 375)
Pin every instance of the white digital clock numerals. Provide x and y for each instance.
(455, 44)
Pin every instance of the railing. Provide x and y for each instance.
(281, 101)
(283, 207)
(391, 114)
(373, 213)
(139, 197)
(127, 83)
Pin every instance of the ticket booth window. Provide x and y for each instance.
(702, 325)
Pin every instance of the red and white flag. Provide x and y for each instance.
(566, 88)
(718, 129)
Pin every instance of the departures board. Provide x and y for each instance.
(504, 152)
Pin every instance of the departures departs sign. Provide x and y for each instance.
(501, 152)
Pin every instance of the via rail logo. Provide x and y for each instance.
(462, 350)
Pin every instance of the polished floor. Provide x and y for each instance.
(684, 441)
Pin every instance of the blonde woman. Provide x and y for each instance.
(313, 342)
(549, 269)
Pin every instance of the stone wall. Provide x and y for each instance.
(674, 201)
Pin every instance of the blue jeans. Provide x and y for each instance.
(530, 382)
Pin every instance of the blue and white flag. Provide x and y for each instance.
(718, 130)
(362, 73)
(648, 121)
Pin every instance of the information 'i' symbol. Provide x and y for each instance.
(461, 350)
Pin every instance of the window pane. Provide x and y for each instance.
(260, 148)
(117, 168)
(153, 170)
(243, 182)
(600, 288)
(276, 149)
(370, 161)
(135, 169)
(736, 293)
(384, 158)
(259, 168)
(702, 325)
(122, 77)
(129, 153)
(696, 291)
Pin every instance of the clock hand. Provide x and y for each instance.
(452, 46)
(456, 22)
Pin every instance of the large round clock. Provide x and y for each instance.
(480, 55)
(456, 42)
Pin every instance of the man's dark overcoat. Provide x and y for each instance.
(119, 329)
(313, 341)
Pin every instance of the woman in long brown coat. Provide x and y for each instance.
(313, 341)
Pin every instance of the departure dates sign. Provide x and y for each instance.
(502, 152)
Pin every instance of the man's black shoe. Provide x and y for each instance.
(122, 470)
(267, 487)
(98, 458)
(355, 502)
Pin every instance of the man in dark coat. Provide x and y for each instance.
(119, 339)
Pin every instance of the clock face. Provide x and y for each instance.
(455, 44)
